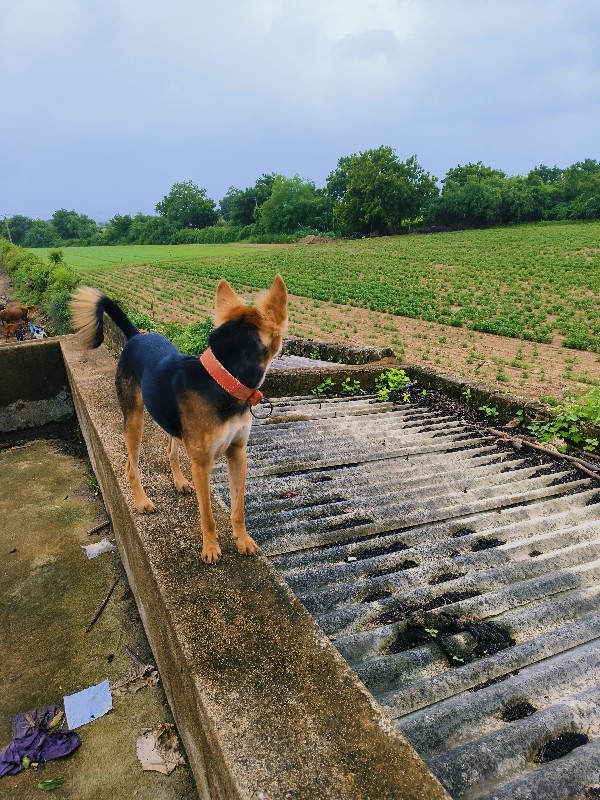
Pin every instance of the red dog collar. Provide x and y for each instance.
(226, 380)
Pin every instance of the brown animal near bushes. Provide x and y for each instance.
(14, 311)
(11, 328)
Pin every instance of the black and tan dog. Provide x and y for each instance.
(203, 403)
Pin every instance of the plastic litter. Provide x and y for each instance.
(93, 550)
(88, 704)
(37, 332)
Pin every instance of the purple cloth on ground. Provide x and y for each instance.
(33, 739)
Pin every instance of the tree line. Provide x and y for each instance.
(372, 192)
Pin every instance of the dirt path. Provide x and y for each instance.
(5, 284)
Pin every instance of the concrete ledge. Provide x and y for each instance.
(336, 351)
(292, 382)
(34, 389)
(506, 403)
(264, 703)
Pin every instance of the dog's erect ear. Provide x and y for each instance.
(228, 303)
(274, 303)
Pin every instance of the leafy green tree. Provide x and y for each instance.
(245, 204)
(579, 177)
(472, 196)
(225, 203)
(582, 188)
(571, 193)
(546, 175)
(41, 233)
(294, 204)
(472, 173)
(151, 230)
(187, 206)
(70, 225)
(19, 226)
(375, 191)
(118, 230)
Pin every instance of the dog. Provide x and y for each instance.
(201, 403)
(14, 329)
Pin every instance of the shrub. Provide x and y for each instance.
(190, 339)
(351, 387)
(274, 238)
(193, 339)
(215, 234)
(39, 283)
(390, 383)
(325, 389)
(577, 421)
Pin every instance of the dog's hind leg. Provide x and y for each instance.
(236, 469)
(132, 406)
(182, 485)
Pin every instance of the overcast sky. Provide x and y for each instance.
(106, 103)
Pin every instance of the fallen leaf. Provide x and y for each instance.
(158, 749)
(56, 721)
(48, 786)
(147, 676)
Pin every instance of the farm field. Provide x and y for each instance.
(518, 307)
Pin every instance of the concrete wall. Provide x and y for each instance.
(34, 388)
(265, 705)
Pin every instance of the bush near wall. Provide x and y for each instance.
(189, 339)
(39, 283)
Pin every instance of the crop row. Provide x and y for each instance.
(531, 282)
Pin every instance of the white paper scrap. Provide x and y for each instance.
(88, 704)
(93, 550)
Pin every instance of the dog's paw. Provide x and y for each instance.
(246, 545)
(145, 506)
(211, 553)
(184, 487)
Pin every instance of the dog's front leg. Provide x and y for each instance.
(201, 469)
(236, 469)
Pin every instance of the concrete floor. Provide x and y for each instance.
(49, 593)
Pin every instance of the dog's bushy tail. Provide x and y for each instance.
(87, 308)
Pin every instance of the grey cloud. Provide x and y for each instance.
(112, 102)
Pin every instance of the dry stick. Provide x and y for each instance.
(103, 606)
(99, 527)
(546, 450)
(135, 658)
